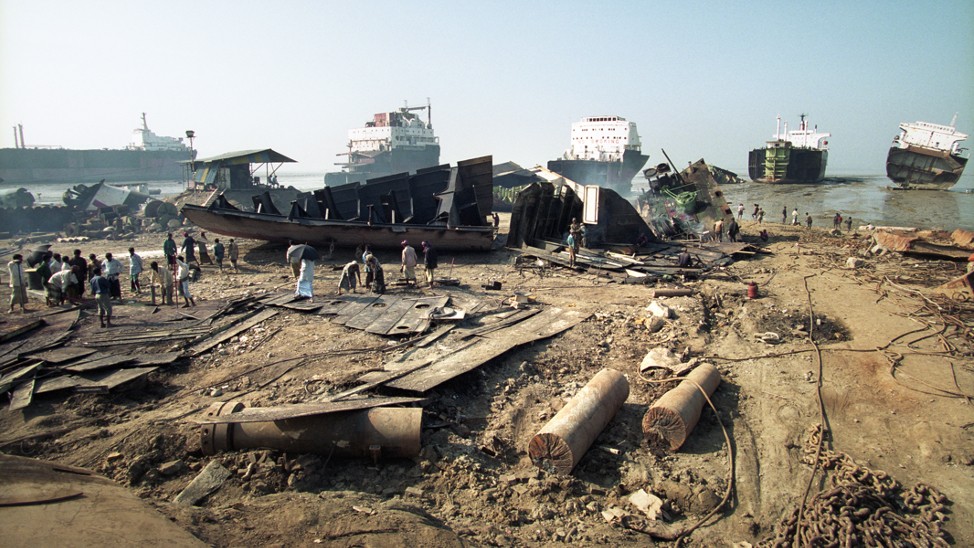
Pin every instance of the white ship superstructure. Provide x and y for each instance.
(144, 139)
(927, 135)
(603, 139)
(803, 137)
(392, 130)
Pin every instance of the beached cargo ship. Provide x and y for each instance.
(798, 156)
(149, 157)
(392, 142)
(927, 156)
(605, 151)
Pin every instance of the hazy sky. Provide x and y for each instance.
(700, 79)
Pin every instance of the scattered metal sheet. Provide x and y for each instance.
(333, 307)
(548, 323)
(373, 311)
(356, 305)
(27, 328)
(163, 358)
(207, 481)
(211, 342)
(114, 379)
(415, 317)
(25, 371)
(257, 414)
(61, 355)
(101, 361)
(23, 395)
(66, 382)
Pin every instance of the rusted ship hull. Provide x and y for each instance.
(278, 228)
(922, 168)
(445, 206)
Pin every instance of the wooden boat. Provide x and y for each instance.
(447, 207)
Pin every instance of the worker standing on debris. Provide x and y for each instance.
(808, 220)
(218, 253)
(18, 283)
(848, 224)
(135, 270)
(160, 276)
(837, 221)
(719, 230)
(60, 284)
(761, 215)
(93, 263)
(169, 250)
(351, 277)
(307, 255)
(232, 252)
(784, 215)
(378, 278)
(294, 258)
(189, 249)
(740, 210)
(201, 243)
(732, 229)
(369, 275)
(794, 217)
(101, 289)
(429, 261)
(572, 246)
(409, 262)
(82, 265)
(112, 269)
(183, 277)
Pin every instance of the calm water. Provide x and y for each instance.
(866, 198)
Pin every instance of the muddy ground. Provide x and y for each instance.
(473, 483)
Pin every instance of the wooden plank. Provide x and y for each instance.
(259, 414)
(23, 395)
(416, 319)
(207, 344)
(64, 354)
(548, 323)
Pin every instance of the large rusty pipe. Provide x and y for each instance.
(377, 432)
(672, 417)
(562, 442)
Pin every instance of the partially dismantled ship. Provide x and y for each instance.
(392, 142)
(149, 157)
(605, 151)
(926, 156)
(447, 207)
(792, 156)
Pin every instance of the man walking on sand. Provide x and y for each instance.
(219, 251)
(808, 220)
(160, 275)
(740, 210)
(183, 276)
(794, 217)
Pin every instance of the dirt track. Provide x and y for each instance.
(473, 483)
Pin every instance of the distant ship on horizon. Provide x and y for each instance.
(798, 156)
(391, 143)
(927, 156)
(605, 151)
(149, 157)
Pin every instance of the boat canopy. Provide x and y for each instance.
(233, 171)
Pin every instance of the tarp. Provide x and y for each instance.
(260, 156)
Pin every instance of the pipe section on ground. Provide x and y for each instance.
(389, 432)
(561, 443)
(672, 417)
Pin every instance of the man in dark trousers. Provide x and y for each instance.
(101, 288)
(429, 261)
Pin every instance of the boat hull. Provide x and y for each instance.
(21, 166)
(613, 175)
(784, 165)
(922, 168)
(280, 229)
(385, 163)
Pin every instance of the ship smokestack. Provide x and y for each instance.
(777, 128)
(16, 142)
(21, 128)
